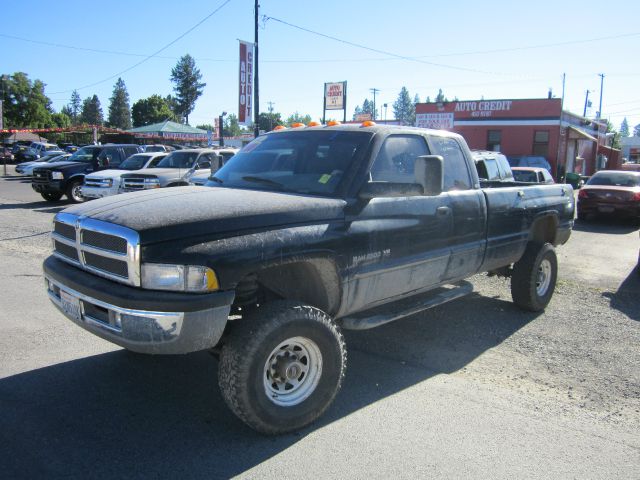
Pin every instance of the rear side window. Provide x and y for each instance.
(128, 151)
(492, 169)
(396, 159)
(504, 167)
(456, 171)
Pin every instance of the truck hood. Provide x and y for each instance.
(108, 173)
(65, 165)
(176, 213)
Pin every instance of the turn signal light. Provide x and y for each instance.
(280, 127)
(297, 125)
(368, 123)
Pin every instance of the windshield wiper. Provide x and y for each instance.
(216, 179)
(265, 181)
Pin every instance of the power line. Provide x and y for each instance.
(180, 37)
(389, 54)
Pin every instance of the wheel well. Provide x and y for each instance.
(544, 230)
(314, 283)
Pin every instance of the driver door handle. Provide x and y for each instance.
(442, 211)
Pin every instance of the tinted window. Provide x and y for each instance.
(618, 179)
(179, 160)
(311, 161)
(86, 154)
(524, 176)
(134, 162)
(396, 159)
(128, 151)
(456, 172)
(110, 157)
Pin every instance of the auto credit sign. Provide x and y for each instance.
(334, 96)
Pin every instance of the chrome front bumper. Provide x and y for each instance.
(141, 331)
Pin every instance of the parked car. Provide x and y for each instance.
(107, 182)
(38, 149)
(202, 178)
(532, 175)
(66, 178)
(610, 192)
(529, 161)
(157, 148)
(6, 155)
(630, 167)
(48, 156)
(27, 168)
(173, 171)
(492, 166)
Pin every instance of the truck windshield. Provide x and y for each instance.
(178, 160)
(85, 154)
(310, 162)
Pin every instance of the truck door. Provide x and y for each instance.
(399, 245)
(468, 209)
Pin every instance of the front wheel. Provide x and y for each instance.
(51, 196)
(74, 191)
(281, 366)
(534, 277)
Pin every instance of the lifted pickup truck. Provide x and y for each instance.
(305, 232)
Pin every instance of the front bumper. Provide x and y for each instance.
(140, 320)
(55, 186)
(99, 192)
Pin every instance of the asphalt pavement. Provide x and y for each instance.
(472, 389)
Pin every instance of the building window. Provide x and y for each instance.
(494, 139)
(541, 143)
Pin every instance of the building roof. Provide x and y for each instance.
(168, 127)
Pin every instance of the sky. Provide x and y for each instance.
(469, 49)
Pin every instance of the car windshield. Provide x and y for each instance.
(85, 154)
(617, 179)
(525, 176)
(154, 148)
(311, 162)
(134, 162)
(178, 160)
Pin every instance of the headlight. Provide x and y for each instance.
(151, 183)
(181, 278)
(57, 175)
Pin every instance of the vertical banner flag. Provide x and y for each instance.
(245, 97)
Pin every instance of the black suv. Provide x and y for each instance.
(66, 178)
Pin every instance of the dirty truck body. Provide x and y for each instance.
(301, 234)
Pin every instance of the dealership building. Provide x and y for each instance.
(532, 127)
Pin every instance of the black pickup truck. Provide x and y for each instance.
(66, 178)
(303, 233)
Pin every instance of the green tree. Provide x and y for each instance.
(60, 120)
(25, 104)
(357, 111)
(186, 77)
(231, 126)
(367, 107)
(404, 109)
(119, 110)
(624, 128)
(174, 106)
(75, 106)
(440, 97)
(297, 118)
(92, 111)
(267, 121)
(153, 109)
(636, 130)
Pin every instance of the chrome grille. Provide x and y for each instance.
(133, 184)
(103, 248)
(41, 176)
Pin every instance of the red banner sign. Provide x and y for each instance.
(245, 93)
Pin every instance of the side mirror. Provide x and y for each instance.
(429, 172)
(389, 189)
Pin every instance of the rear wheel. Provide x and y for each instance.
(74, 191)
(534, 277)
(51, 196)
(282, 366)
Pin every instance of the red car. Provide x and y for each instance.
(610, 192)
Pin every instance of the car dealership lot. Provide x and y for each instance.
(472, 388)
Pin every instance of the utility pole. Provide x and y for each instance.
(256, 89)
(374, 91)
(564, 77)
(601, 75)
(271, 104)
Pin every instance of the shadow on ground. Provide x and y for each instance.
(616, 226)
(43, 206)
(625, 299)
(121, 415)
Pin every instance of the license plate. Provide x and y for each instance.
(70, 305)
(606, 209)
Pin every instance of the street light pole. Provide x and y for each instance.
(601, 75)
(221, 127)
(256, 89)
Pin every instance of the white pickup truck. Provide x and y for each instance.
(107, 182)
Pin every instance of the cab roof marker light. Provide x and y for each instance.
(314, 124)
(333, 123)
(297, 125)
(368, 123)
(280, 127)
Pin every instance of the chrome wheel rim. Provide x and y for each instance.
(292, 371)
(76, 193)
(543, 277)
